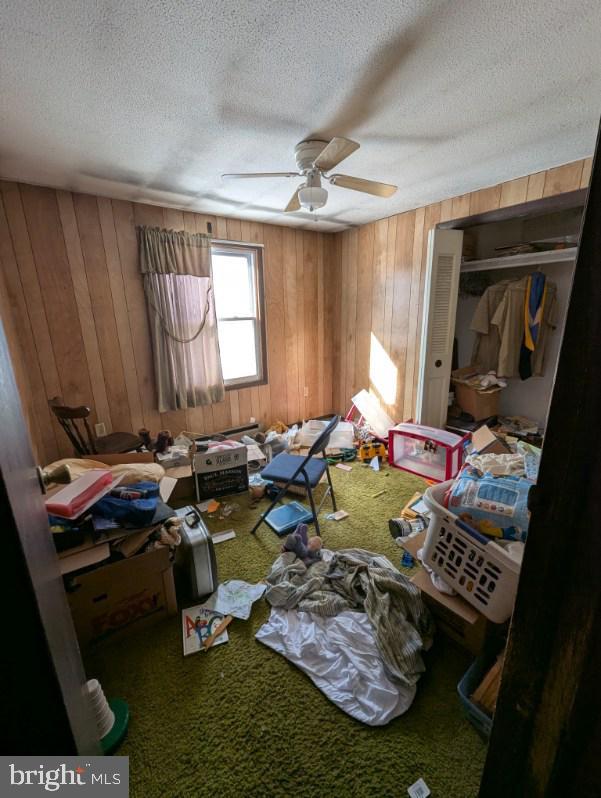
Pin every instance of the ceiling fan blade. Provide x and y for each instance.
(294, 204)
(337, 150)
(262, 174)
(366, 186)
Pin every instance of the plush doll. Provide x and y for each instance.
(306, 549)
(169, 534)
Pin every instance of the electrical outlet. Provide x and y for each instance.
(306, 392)
(253, 420)
(100, 429)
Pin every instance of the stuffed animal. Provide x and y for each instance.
(169, 533)
(306, 549)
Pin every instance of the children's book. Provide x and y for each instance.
(198, 624)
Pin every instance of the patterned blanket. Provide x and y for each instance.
(354, 579)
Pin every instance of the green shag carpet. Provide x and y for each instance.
(240, 721)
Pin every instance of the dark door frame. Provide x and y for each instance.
(44, 707)
(546, 737)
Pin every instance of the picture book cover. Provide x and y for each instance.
(198, 624)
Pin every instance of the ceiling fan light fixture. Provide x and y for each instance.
(315, 160)
(312, 197)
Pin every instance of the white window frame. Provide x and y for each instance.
(255, 265)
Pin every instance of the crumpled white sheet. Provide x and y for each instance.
(498, 464)
(340, 656)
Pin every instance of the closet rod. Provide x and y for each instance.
(531, 259)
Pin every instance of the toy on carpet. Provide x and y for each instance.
(407, 560)
(306, 549)
(278, 427)
(367, 451)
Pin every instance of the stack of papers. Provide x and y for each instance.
(235, 598)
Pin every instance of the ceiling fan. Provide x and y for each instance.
(314, 159)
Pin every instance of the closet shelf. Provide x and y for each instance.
(532, 259)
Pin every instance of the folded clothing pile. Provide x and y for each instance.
(481, 381)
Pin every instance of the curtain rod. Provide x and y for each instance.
(237, 243)
(223, 240)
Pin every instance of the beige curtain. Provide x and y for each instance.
(176, 269)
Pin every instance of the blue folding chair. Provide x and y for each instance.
(302, 470)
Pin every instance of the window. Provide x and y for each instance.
(238, 285)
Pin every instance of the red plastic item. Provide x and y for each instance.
(350, 416)
(434, 454)
(72, 499)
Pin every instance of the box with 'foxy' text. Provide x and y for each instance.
(112, 601)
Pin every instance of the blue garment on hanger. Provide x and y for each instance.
(535, 306)
(533, 317)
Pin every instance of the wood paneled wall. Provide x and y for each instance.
(337, 306)
(382, 273)
(75, 316)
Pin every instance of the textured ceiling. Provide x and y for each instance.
(153, 100)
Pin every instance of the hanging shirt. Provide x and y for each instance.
(534, 306)
(488, 341)
(509, 320)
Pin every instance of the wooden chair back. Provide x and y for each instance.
(74, 420)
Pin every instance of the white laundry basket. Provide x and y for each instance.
(476, 567)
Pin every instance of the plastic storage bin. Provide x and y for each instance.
(476, 567)
(426, 451)
(470, 680)
(341, 438)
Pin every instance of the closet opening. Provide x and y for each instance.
(483, 324)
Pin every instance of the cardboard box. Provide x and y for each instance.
(479, 404)
(485, 441)
(68, 544)
(453, 615)
(184, 482)
(116, 599)
(221, 472)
